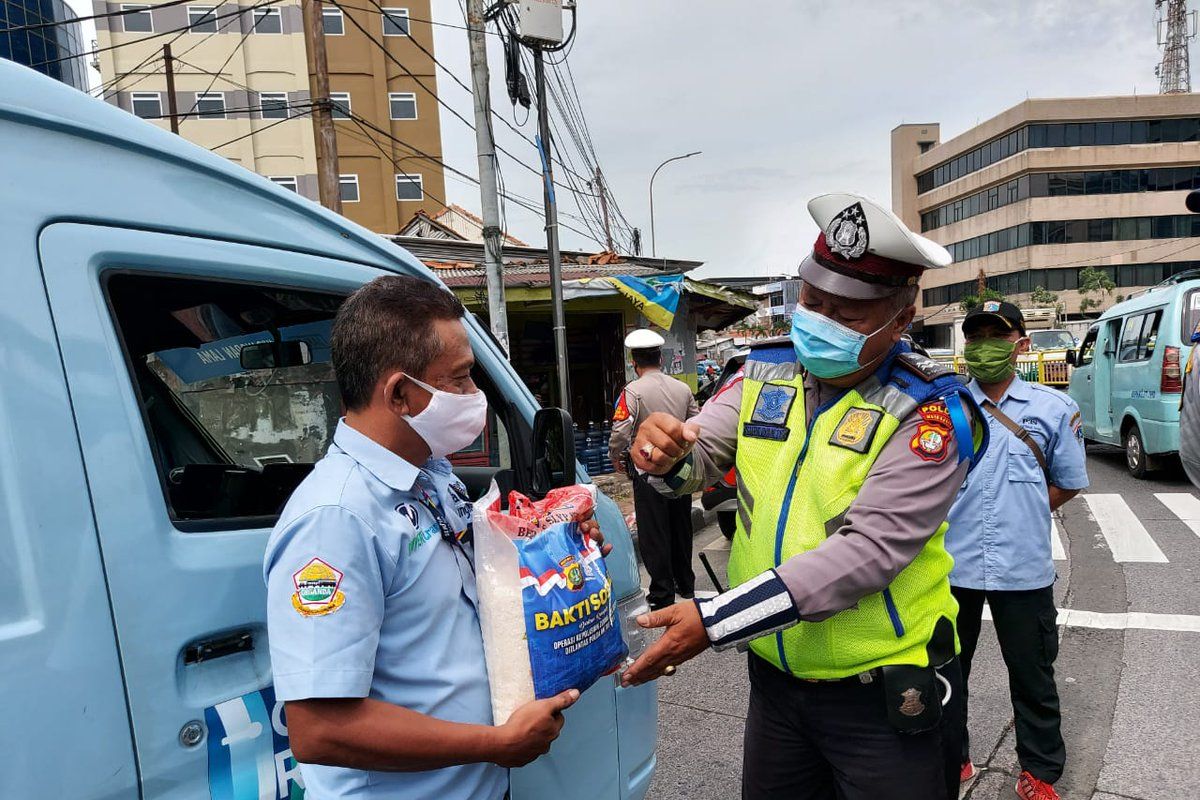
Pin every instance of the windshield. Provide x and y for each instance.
(1051, 340)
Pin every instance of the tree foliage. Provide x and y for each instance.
(972, 300)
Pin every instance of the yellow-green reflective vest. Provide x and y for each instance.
(795, 483)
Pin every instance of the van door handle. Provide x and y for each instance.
(218, 647)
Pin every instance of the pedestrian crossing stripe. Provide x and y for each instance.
(1126, 536)
(1139, 620)
(1184, 506)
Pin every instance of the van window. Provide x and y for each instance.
(1190, 315)
(1140, 336)
(1087, 352)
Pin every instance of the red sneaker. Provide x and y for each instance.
(968, 773)
(1030, 788)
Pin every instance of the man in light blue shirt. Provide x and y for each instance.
(999, 536)
(375, 639)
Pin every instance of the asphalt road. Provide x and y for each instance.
(1128, 674)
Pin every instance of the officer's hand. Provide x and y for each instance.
(683, 640)
(532, 728)
(661, 441)
(591, 528)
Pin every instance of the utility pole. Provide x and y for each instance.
(546, 147)
(169, 61)
(486, 150)
(604, 207)
(322, 112)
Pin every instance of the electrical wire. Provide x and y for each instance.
(217, 75)
(300, 113)
(60, 22)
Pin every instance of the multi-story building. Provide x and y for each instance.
(48, 39)
(242, 90)
(1046, 189)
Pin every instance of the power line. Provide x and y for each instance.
(59, 22)
(301, 113)
(217, 75)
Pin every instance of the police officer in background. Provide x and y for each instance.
(664, 524)
(849, 450)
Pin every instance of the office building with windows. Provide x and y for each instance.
(242, 90)
(44, 35)
(1046, 189)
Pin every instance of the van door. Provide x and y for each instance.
(188, 458)
(1082, 388)
(1102, 376)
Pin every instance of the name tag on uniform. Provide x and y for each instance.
(770, 413)
(857, 429)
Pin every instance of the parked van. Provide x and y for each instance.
(164, 346)
(1128, 377)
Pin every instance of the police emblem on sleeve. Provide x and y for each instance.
(912, 705)
(857, 429)
(847, 233)
(318, 589)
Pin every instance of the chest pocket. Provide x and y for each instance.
(1023, 467)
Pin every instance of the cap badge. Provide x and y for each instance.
(847, 233)
(991, 306)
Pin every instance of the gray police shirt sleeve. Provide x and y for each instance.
(327, 576)
(713, 453)
(623, 429)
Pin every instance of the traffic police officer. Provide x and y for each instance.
(849, 450)
(664, 524)
(1000, 536)
(371, 604)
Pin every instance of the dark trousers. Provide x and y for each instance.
(664, 527)
(832, 740)
(1026, 627)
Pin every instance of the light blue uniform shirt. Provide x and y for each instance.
(1000, 523)
(367, 599)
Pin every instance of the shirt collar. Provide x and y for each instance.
(375, 458)
(1017, 390)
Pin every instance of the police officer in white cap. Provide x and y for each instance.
(849, 450)
(664, 524)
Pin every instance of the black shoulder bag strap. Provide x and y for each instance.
(1020, 433)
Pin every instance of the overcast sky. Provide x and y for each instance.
(788, 100)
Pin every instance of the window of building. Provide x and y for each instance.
(333, 21)
(348, 188)
(210, 105)
(287, 182)
(341, 105)
(147, 105)
(395, 22)
(409, 187)
(273, 105)
(139, 20)
(202, 19)
(268, 20)
(403, 105)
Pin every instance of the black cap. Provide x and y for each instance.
(1005, 314)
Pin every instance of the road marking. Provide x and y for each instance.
(1184, 506)
(1057, 551)
(1126, 536)
(1139, 620)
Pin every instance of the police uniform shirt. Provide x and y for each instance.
(904, 499)
(366, 598)
(1000, 524)
(653, 392)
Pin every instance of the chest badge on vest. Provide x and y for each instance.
(857, 429)
(770, 413)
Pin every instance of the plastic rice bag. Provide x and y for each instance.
(545, 599)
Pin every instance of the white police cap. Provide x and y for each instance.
(864, 251)
(644, 339)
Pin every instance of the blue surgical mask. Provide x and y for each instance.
(826, 348)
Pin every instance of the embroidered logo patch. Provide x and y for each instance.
(621, 412)
(936, 415)
(929, 443)
(857, 429)
(773, 404)
(317, 589)
(991, 306)
(409, 512)
(847, 233)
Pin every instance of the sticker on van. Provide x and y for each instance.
(249, 756)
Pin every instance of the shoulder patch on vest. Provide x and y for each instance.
(771, 409)
(924, 366)
(857, 429)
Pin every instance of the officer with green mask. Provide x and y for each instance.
(849, 450)
(1000, 537)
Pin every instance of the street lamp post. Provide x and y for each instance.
(653, 248)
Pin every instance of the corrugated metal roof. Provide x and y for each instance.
(530, 274)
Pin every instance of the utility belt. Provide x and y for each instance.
(913, 695)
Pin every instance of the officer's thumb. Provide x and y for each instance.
(656, 619)
(691, 432)
(564, 700)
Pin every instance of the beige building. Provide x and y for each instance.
(1047, 188)
(242, 90)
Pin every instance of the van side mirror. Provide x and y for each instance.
(275, 355)
(1072, 359)
(553, 451)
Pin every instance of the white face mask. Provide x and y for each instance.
(451, 421)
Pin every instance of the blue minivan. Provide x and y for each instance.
(148, 440)
(1128, 372)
